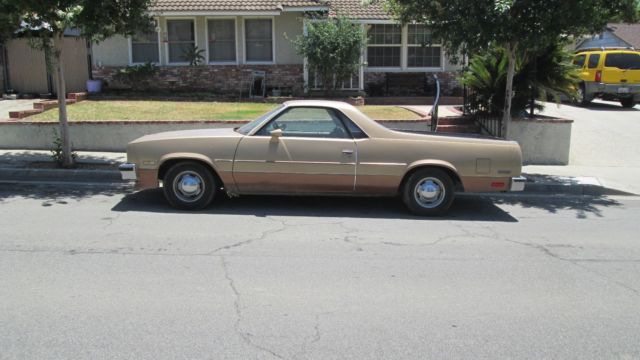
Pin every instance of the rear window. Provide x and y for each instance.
(579, 60)
(593, 61)
(623, 61)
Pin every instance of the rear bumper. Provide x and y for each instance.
(128, 171)
(615, 90)
(517, 183)
(144, 178)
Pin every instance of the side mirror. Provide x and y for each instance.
(275, 134)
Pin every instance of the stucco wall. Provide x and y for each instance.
(449, 65)
(115, 50)
(288, 28)
(543, 141)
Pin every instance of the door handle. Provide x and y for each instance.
(347, 151)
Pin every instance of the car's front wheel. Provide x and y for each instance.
(428, 192)
(627, 102)
(189, 186)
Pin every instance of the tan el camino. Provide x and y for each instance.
(312, 147)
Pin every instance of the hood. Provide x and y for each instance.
(188, 134)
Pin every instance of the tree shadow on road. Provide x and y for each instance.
(50, 193)
(583, 206)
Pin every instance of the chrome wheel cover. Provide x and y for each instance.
(188, 186)
(429, 192)
(580, 94)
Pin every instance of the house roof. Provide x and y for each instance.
(230, 5)
(357, 9)
(352, 8)
(630, 33)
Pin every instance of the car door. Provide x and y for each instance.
(301, 150)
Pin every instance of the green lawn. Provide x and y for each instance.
(102, 110)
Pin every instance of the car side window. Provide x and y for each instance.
(355, 131)
(307, 122)
(626, 61)
(594, 59)
(579, 60)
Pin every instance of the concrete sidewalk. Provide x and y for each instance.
(443, 110)
(604, 144)
(17, 166)
(14, 105)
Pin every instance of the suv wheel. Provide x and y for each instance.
(627, 102)
(583, 97)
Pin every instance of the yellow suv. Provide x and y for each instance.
(610, 74)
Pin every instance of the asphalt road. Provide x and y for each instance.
(96, 274)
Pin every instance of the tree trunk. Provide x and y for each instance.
(67, 158)
(511, 70)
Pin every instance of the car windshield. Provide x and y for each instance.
(246, 128)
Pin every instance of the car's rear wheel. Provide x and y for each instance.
(428, 192)
(627, 102)
(189, 186)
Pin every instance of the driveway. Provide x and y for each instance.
(14, 105)
(604, 144)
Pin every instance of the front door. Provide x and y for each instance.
(302, 150)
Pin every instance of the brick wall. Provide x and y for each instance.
(222, 79)
(375, 84)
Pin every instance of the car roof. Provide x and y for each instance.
(322, 103)
(619, 50)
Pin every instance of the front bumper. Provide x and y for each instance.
(128, 171)
(517, 183)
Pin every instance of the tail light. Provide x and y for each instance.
(598, 76)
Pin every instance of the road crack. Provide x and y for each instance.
(317, 335)
(245, 336)
(575, 262)
(263, 235)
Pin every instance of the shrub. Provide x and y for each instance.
(332, 48)
(548, 71)
(134, 75)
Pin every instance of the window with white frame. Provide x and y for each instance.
(222, 40)
(352, 83)
(181, 38)
(258, 40)
(144, 48)
(421, 52)
(384, 45)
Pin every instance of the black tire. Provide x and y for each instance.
(425, 206)
(189, 186)
(627, 102)
(583, 97)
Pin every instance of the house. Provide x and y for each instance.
(239, 37)
(614, 36)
